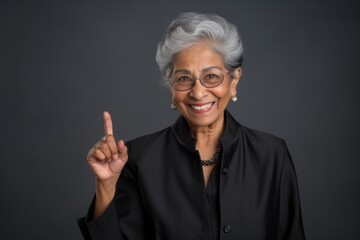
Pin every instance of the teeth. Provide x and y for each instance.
(203, 107)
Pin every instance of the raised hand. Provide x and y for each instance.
(107, 158)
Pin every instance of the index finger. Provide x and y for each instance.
(108, 127)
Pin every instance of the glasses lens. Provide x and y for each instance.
(182, 82)
(212, 78)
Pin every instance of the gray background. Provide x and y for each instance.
(64, 62)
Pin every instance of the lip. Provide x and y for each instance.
(201, 107)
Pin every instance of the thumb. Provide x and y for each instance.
(122, 149)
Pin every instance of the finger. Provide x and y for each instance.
(110, 141)
(105, 149)
(108, 127)
(97, 154)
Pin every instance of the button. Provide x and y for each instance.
(227, 229)
(225, 171)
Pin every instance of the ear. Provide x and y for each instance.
(171, 90)
(235, 81)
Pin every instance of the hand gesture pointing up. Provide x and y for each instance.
(107, 158)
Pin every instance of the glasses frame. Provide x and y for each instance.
(193, 79)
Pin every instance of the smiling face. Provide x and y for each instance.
(201, 106)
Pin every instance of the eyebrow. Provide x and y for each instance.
(186, 71)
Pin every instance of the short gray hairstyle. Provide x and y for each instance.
(191, 27)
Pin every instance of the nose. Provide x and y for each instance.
(198, 91)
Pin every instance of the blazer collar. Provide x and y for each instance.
(182, 131)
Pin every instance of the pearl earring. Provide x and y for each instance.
(173, 106)
(234, 99)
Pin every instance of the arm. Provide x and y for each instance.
(124, 217)
(290, 221)
(117, 192)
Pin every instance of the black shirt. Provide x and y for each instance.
(160, 193)
(212, 193)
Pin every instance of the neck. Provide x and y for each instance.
(208, 134)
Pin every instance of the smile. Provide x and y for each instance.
(202, 107)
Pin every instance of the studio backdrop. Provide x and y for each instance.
(65, 62)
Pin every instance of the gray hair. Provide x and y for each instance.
(189, 28)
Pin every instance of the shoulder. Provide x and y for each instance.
(260, 136)
(148, 139)
(148, 145)
(249, 135)
(261, 141)
(235, 130)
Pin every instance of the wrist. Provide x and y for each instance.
(105, 190)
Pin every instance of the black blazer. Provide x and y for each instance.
(161, 191)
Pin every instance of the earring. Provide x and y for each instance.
(173, 106)
(234, 99)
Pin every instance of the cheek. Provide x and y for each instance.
(177, 97)
(224, 92)
(173, 94)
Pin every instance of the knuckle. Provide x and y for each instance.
(103, 145)
(97, 145)
(99, 154)
(107, 153)
(109, 138)
(92, 150)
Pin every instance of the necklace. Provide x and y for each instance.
(214, 159)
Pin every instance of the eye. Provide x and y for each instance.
(211, 77)
(183, 79)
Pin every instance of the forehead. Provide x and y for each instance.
(198, 57)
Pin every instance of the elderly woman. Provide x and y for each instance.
(206, 176)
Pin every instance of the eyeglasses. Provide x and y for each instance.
(183, 80)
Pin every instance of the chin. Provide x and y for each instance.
(202, 121)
